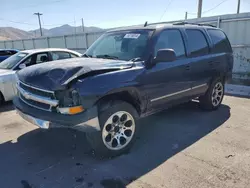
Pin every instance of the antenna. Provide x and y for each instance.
(146, 23)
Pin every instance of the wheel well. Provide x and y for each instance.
(126, 96)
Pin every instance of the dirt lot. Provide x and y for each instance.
(181, 147)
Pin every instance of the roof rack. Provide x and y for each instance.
(199, 24)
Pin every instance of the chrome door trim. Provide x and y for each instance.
(177, 93)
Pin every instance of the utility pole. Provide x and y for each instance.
(238, 8)
(82, 26)
(186, 15)
(38, 15)
(199, 9)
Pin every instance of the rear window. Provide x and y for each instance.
(197, 43)
(220, 41)
(7, 52)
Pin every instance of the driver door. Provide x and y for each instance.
(168, 82)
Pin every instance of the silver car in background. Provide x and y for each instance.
(24, 59)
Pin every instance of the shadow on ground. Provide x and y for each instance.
(62, 158)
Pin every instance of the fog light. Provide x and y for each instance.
(71, 110)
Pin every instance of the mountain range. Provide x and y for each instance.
(10, 33)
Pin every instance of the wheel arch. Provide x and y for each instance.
(129, 95)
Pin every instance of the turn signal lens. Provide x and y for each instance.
(71, 110)
(76, 110)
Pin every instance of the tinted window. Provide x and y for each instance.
(197, 43)
(4, 53)
(41, 58)
(60, 55)
(221, 43)
(7, 52)
(171, 39)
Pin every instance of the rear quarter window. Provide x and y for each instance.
(197, 43)
(220, 41)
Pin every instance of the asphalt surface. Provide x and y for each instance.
(181, 147)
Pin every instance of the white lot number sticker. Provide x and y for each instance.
(132, 36)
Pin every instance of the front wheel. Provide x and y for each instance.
(214, 95)
(118, 130)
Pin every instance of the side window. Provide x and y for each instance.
(220, 41)
(41, 58)
(73, 55)
(171, 39)
(12, 52)
(28, 61)
(3, 53)
(197, 43)
(60, 55)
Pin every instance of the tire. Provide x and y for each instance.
(214, 95)
(118, 125)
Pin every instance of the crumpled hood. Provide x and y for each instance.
(56, 75)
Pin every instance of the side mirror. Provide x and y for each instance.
(22, 66)
(165, 55)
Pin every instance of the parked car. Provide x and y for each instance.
(23, 59)
(5, 53)
(127, 74)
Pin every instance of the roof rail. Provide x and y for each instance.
(199, 24)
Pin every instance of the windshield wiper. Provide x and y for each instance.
(106, 56)
(85, 55)
(136, 59)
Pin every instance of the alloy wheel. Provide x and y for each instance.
(118, 130)
(217, 94)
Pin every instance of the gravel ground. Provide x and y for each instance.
(181, 147)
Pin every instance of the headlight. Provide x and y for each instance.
(69, 102)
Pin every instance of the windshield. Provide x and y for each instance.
(124, 45)
(10, 62)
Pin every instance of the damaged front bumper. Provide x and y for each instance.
(86, 121)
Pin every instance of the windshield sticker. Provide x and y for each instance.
(132, 36)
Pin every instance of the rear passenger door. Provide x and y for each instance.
(200, 59)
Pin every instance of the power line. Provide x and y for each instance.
(36, 5)
(166, 9)
(25, 23)
(215, 6)
(192, 13)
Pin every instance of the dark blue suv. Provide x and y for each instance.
(5, 53)
(125, 75)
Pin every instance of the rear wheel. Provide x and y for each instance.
(118, 130)
(214, 95)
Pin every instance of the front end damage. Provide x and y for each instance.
(47, 97)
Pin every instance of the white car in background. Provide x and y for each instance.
(23, 59)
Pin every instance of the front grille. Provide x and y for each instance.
(35, 104)
(36, 91)
(35, 97)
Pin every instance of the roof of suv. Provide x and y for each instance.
(163, 26)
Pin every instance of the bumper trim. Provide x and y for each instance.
(38, 122)
(87, 121)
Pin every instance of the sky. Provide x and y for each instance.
(107, 13)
